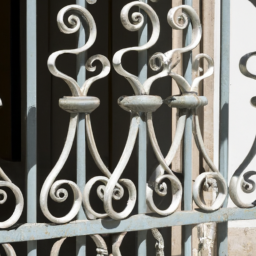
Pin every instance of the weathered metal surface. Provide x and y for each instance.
(117, 241)
(160, 242)
(31, 118)
(6, 182)
(40, 231)
(138, 20)
(87, 104)
(202, 178)
(168, 61)
(81, 136)
(141, 103)
(143, 34)
(141, 106)
(187, 143)
(222, 229)
(136, 105)
(189, 101)
(241, 181)
(206, 236)
(98, 240)
(79, 104)
(112, 189)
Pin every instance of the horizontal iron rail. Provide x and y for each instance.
(40, 231)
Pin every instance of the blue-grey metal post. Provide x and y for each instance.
(222, 231)
(81, 144)
(187, 68)
(31, 124)
(142, 142)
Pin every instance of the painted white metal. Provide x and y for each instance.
(6, 182)
(40, 231)
(113, 185)
(241, 130)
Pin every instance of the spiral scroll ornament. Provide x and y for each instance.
(188, 100)
(191, 101)
(78, 103)
(6, 182)
(112, 187)
(241, 180)
(134, 104)
(101, 249)
(142, 102)
(168, 61)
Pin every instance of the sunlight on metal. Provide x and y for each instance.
(31, 125)
(222, 229)
(39, 231)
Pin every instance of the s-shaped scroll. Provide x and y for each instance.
(168, 61)
(19, 205)
(112, 183)
(184, 102)
(190, 100)
(240, 180)
(78, 103)
(101, 247)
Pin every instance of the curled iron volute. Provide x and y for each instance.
(101, 247)
(189, 100)
(241, 180)
(78, 103)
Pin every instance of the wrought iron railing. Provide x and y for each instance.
(141, 107)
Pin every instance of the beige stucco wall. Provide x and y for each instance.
(242, 241)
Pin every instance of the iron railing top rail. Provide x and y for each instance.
(40, 231)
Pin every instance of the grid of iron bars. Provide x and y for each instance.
(141, 106)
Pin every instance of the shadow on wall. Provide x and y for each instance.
(253, 2)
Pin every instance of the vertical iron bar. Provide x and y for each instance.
(31, 124)
(187, 68)
(222, 231)
(142, 142)
(81, 143)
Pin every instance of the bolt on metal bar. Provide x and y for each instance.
(142, 141)
(187, 69)
(81, 139)
(222, 231)
(31, 122)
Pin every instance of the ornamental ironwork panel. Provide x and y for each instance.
(141, 107)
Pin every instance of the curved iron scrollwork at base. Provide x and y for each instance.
(117, 239)
(78, 103)
(142, 103)
(240, 181)
(141, 106)
(98, 240)
(19, 205)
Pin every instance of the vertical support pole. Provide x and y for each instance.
(142, 142)
(216, 97)
(187, 68)
(31, 124)
(224, 113)
(81, 143)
